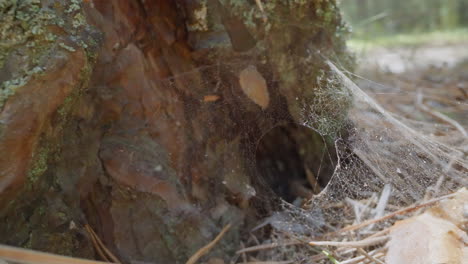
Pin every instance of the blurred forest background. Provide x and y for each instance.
(371, 19)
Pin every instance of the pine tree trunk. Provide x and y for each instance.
(140, 118)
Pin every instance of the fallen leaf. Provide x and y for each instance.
(254, 86)
(435, 236)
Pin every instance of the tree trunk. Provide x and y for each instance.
(141, 118)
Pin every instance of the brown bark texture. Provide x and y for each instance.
(140, 118)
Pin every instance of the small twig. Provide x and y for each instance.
(358, 259)
(27, 256)
(255, 239)
(268, 246)
(380, 233)
(339, 251)
(368, 256)
(101, 245)
(260, 6)
(356, 209)
(243, 255)
(312, 180)
(391, 215)
(101, 253)
(269, 262)
(204, 250)
(361, 243)
(330, 257)
(382, 203)
(434, 190)
(441, 117)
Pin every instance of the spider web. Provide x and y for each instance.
(384, 155)
(378, 149)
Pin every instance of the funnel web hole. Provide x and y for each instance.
(295, 162)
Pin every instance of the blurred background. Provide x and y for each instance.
(383, 17)
(413, 21)
(412, 57)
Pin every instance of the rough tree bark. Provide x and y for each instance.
(139, 118)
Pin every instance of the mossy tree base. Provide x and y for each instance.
(137, 123)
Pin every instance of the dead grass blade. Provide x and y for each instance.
(268, 246)
(102, 250)
(391, 215)
(204, 250)
(437, 115)
(361, 243)
(359, 259)
(268, 262)
(369, 257)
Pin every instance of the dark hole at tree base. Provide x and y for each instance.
(295, 162)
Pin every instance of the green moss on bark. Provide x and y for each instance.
(40, 217)
(24, 39)
(29, 32)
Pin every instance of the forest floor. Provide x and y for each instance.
(396, 76)
(425, 84)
